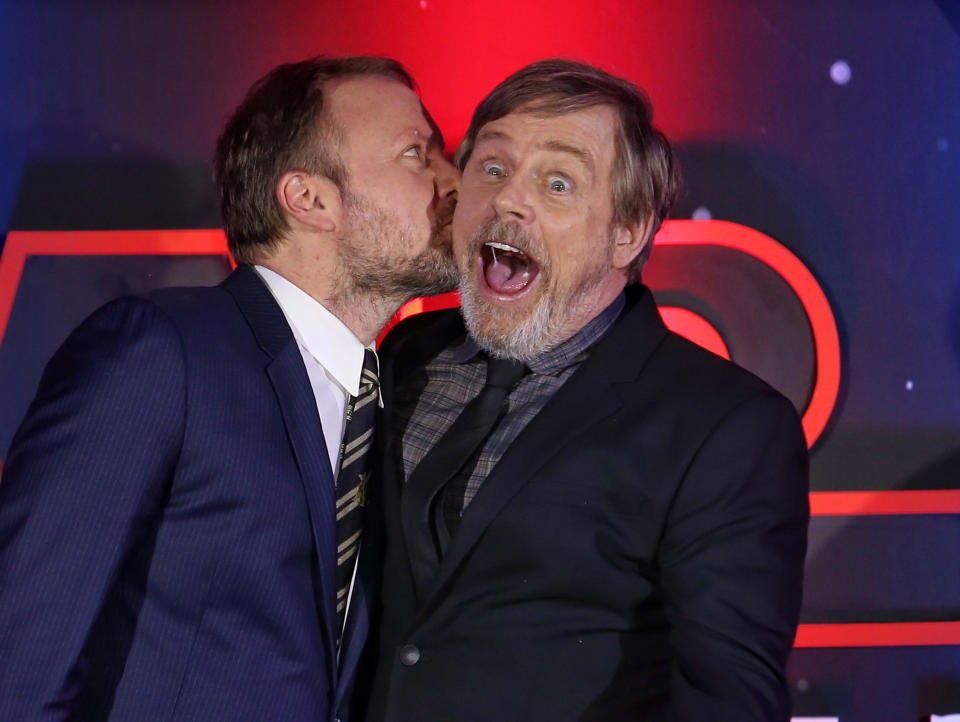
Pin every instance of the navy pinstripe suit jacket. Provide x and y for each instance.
(167, 523)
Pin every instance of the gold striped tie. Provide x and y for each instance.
(352, 478)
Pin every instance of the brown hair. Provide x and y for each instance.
(280, 126)
(646, 177)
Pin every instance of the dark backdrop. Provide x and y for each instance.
(833, 127)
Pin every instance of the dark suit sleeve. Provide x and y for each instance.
(85, 481)
(732, 564)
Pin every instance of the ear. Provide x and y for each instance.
(628, 240)
(310, 200)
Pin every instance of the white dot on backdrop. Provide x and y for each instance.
(803, 685)
(423, 4)
(943, 144)
(701, 213)
(840, 72)
(909, 385)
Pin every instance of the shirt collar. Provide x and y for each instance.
(571, 351)
(319, 332)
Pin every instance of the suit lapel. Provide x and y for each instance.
(302, 423)
(357, 625)
(587, 398)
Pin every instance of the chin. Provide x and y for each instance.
(520, 333)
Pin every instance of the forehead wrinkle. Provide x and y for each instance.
(559, 146)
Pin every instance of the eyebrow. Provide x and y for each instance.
(490, 135)
(556, 146)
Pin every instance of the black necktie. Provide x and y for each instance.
(352, 479)
(445, 459)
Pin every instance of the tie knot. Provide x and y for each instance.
(504, 373)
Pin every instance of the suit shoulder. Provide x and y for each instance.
(704, 368)
(705, 388)
(121, 332)
(421, 325)
(126, 317)
(189, 301)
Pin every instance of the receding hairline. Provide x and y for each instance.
(429, 131)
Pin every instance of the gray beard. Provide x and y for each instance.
(529, 338)
(547, 325)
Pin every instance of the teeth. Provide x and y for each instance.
(503, 247)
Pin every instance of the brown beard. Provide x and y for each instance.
(373, 261)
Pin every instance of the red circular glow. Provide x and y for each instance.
(694, 327)
(826, 341)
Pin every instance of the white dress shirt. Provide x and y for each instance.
(331, 353)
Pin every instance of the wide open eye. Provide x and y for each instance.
(558, 184)
(493, 168)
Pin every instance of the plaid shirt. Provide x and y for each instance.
(422, 414)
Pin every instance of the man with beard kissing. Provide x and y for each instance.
(182, 508)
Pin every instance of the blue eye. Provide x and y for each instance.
(559, 185)
(494, 169)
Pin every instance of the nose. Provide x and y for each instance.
(511, 201)
(446, 176)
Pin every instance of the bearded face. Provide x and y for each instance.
(538, 248)
(508, 262)
(379, 254)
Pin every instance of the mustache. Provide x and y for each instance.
(512, 234)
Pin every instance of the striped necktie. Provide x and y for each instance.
(352, 479)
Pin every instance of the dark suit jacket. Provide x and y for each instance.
(637, 554)
(167, 546)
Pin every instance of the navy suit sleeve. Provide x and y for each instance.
(85, 480)
(732, 563)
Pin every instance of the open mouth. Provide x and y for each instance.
(506, 270)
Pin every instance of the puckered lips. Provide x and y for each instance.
(506, 273)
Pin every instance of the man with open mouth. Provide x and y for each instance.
(588, 517)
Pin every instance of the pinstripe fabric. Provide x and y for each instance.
(352, 477)
(167, 541)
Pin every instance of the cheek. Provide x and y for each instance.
(461, 241)
(466, 219)
(410, 193)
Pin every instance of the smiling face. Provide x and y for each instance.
(533, 233)
(399, 193)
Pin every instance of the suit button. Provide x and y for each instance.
(409, 655)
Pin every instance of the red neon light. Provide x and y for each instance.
(825, 338)
(21, 244)
(888, 634)
(694, 327)
(871, 503)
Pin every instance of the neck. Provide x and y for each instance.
(592, 301)
(320, 276)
